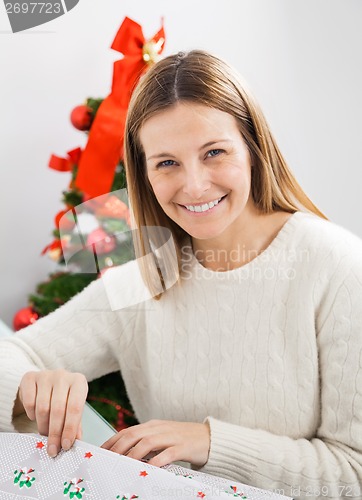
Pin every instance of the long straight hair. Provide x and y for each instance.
(202, 78)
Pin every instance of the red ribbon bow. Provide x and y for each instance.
(105, 143)
(65, 164)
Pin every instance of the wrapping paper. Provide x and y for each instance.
(88, 472)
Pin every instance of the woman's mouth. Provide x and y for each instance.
(206, 208)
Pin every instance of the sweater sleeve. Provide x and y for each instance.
(81, 336)
(330, 463)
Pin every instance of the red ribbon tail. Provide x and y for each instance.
(103, 151)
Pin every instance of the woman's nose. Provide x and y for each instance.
(196, 182)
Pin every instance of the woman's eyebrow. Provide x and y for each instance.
(207, 144)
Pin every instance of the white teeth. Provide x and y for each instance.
(202, 208)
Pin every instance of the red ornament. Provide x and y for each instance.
(24, 317)
(113, 207)
(101, 242)
(82, 117)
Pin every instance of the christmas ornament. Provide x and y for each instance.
(113, 207)
(105, 144)
(87, 222)
(101, 242)
(151, 51)
(81, 117)
(55, 248)
(24, 317)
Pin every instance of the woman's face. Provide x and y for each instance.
(199, 168)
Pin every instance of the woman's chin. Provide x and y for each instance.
(203, 233)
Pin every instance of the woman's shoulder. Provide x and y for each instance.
(324, 230)
(327, 240)
(125, 286)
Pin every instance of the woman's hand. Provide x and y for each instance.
(55, 399)
(186, 441)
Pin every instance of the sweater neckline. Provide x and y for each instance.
(278, 241)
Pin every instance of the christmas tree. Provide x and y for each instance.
(93, 232)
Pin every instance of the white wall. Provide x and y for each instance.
(301, 57)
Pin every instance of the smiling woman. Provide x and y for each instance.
(196, 136)
(247, 364)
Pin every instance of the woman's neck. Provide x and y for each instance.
(230, 251)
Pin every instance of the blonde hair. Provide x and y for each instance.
(200, 77)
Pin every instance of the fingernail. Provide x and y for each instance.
(66, 444)
(52, 450)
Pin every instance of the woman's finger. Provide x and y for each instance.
(133, 434)
(57, 415)
(75, 404)
(80, 431)
(167, 456)
(126, 436)
(126, 439)
(148, 444)
(44, 391)
(27, 394)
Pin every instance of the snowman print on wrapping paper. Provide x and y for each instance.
(71, 489)
(235, 492)
(22, 477)
(126, 496)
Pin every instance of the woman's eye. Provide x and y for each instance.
(214, 152)
(166, 163)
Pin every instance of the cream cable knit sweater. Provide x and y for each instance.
(270, 354)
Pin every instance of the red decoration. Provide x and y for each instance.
(113, 208)
(101, 242)
(88, 455)
(121, 424)
(68, 221)
(40, 445)
(24, 317)
(105, 144)
(143, 473)
(54, 247)
(81, 117)
(65, 164)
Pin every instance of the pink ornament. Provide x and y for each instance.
(101, 242)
